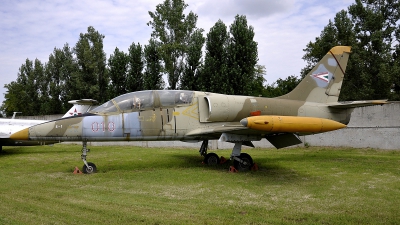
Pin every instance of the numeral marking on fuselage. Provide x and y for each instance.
(96, 127)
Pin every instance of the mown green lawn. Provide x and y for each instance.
(137, 185)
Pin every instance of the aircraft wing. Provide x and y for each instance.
(277, 139)
(355, 104)
(216, 129)
(280, 131)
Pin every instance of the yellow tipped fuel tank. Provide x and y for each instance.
(291, 124)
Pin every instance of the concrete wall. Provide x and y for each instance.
(372, 126)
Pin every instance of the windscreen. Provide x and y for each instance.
(143, 100)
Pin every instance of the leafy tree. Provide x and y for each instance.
(193, 61)
(15, 97)
(23, 94)
(281, 86)
(70, 76)
(46, 89)
(118, 72)
(214, 76)
(135, 79)
(57, 71)
(92, 80)
(173, 30)
(395, 89)
(375, 23)
(242, 56)
(52, 73)
(42, 89)
(30, 78)
(339, 32)
(370, 28)
(152, 76)
(258, 83)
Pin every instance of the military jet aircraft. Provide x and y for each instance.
(10, 126)
(160, 115)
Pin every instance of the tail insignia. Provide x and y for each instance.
(322, 76)
(75, 113)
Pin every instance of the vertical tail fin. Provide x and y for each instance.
(80, 107)
(323, 83)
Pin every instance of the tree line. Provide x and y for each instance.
(372, 28)
(175, 50)
(223, 61)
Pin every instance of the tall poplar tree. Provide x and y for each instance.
(214, 76)
(91, 59)
(152, 76)
(242, 56)
(58, 70)
(135, 78)
(172, 29)
(69, 73)
(118, 72)
(193, 61)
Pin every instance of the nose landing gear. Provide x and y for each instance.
(88, 167)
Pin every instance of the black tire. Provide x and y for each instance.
(211, 159)
(241, 166)
(91, 169)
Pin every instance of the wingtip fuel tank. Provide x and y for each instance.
(293, 124)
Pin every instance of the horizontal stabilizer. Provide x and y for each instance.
(355, 104)
(283, 140)
(83, 102)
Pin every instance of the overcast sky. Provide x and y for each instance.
(32, 29)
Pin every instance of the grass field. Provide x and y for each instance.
(171, 186)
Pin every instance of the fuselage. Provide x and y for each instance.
(175, 115)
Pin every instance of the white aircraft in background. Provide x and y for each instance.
(10, 126)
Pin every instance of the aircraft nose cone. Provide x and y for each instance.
(20, 135)
(244, 122)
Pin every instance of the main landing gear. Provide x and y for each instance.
(211, 159)
(88, 167)
(241, 161)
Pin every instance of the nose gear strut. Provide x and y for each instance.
(88, 167)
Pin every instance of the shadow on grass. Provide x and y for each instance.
(267, 168)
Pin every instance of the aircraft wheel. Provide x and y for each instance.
(241, 166)
(91, 169)
(211, 159)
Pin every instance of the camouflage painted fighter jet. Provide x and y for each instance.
(160, 115)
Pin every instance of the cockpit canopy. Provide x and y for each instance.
(144, 100)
